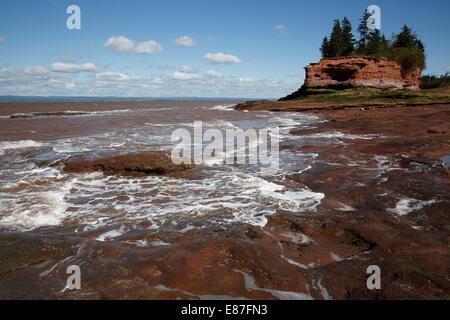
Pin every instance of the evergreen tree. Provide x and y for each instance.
(325, 48)
(347, 38)
(336, 40)
(363, 30)
(407, 39)
(374, 44)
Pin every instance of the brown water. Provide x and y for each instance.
(34, 194)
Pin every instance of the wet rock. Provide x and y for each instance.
(157, 163)
(423, 164)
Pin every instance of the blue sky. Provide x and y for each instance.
(230, 48)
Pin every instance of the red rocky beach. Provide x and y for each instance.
(378, 179)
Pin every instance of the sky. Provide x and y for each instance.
(147, 48)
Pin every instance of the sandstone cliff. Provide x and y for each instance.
(361, 72)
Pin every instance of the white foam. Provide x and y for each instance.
(298, 238)
(39, 209)
(290, 261)
(223, 107)
(287, 122)
(339, 135)
(111, 234)
(250, 284)
(406, 206)
(335, 257)
(345, 207)
(323, 291)
(287, 200)
(21, 144)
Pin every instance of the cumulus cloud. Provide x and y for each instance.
(218, 58)
(213, 74)
(122, 44)
(2, 40)
(72, 68)
(43, 81)
(184, 41)
(36, 71)
(282, 29)
(112, 76)
(70, 85)
(188, 69)
(185, 76)
(166, 66)
(148, 47)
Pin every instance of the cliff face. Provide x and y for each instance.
(361, 72)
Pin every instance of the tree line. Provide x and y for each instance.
(405, 47)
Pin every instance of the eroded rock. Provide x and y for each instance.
(361, 72)
(156, 163)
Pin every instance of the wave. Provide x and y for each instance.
(21, 144)
(67, 113)
(224, 107)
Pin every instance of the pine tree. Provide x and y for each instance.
(336, 40)
(325, 48)
(347, 38)
(374, 43)
(363, 30)
(408, 39)
(405, 39)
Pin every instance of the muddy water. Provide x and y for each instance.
(33, 195)
(340, 201)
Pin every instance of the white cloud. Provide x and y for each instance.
(112, 76)
(71, 68)
(120, 44)
(217, 58)
(282, 29)
(246, 80)
(188, 69)
(148, 47)
(213, 74)
(166, 66)
(184, 41)
(42, 81)
(292, 74)
(185, 76)
(2, 40)
(70, 85)
(36, 71)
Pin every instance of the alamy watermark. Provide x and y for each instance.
(253, 147)
(74, 20)
(74, 281)
(374, 280)
(374, 20)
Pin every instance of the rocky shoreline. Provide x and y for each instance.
(387, 193)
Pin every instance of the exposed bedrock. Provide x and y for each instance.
(361, 72)
(155, 163)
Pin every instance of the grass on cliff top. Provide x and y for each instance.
(371, 95)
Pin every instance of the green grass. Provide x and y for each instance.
(369, 95)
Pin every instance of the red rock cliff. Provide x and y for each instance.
(361, 72)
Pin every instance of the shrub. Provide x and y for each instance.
(432, 81)
(408, 58)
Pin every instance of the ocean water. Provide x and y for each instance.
(34, 194)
